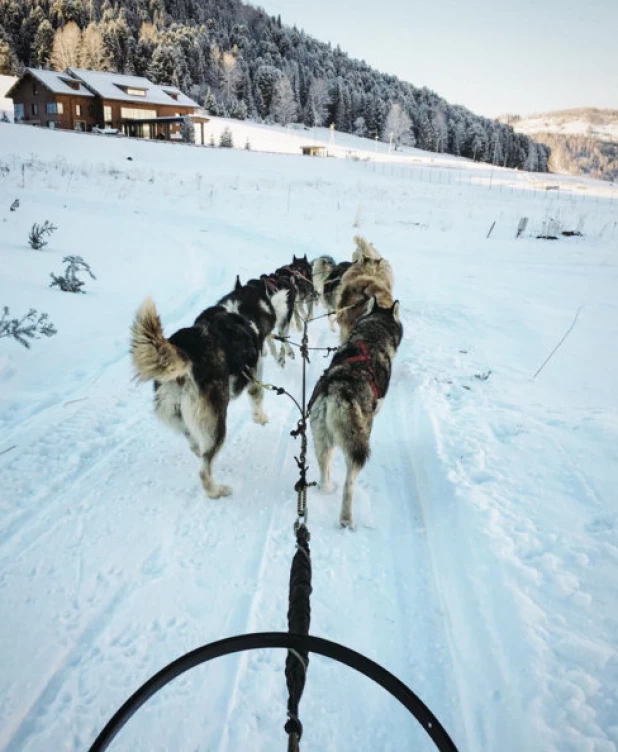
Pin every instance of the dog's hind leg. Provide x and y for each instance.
(323, 444)
(351, 428)
(256, 395)
(205, 416)
(167, 408)
(345, 518)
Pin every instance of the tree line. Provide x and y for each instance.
(239, 62)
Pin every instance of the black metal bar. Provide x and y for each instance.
(258, 640)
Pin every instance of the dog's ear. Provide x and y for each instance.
(305, 257)
(395, 311)
(295, 259)
(238, 282)
(371, 304)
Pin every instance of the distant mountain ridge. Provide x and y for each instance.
(583, 141)
(242, 63)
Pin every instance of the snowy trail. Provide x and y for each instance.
(484, 568)
(147, 475)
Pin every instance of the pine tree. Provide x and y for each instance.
(43, 44)
(226, 140)
(187, 131)
(210, 103)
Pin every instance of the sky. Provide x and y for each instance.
(490, 56)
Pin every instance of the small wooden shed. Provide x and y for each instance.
(314, 151)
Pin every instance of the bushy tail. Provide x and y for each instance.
(364, 250)
(154, 357)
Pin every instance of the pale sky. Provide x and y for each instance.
(519, 57)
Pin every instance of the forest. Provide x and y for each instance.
(237, 61)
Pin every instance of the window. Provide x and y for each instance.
(35, 109)
(134, 113)
(78, 110)
(54, 108)
(19, 112)
(35, 88)
(133, 92)
(107, 113)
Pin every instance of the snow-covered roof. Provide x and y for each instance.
(57, 82)
(116, 85)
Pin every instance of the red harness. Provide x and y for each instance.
(364, 357)
(298, 274)
(270, 282)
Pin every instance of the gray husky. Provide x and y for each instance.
(350, 393)
(199, 369)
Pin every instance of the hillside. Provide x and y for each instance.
(242, 63)
(483, 571)
(583, 141)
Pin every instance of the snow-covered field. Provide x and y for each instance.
(484, 567)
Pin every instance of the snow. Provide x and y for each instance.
(107, 85)
(484, 568)
(592, 126)
(59, 82)
(6, 104)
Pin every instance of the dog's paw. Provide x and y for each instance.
(216, 492)
(347, 523)
(260, 418)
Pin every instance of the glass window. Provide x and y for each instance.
(35, 109)
(35, 88)
(78, 110)
(19, 112)
(50, 108)
(135, 113)
(60, 108)
(107, 113)
(136, 92)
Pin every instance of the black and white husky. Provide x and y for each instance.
(290, 287)
(200, 368)
(350, 393)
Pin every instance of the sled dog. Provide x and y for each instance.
(200, 368)
(290, 287)
(350, 393)
(369, 276)
(327, 274)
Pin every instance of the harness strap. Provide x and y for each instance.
(297, 274)
(332, 281)
(270, 282)
(364, 357)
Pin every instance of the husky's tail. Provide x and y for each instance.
(364, 250)
(155, 357)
